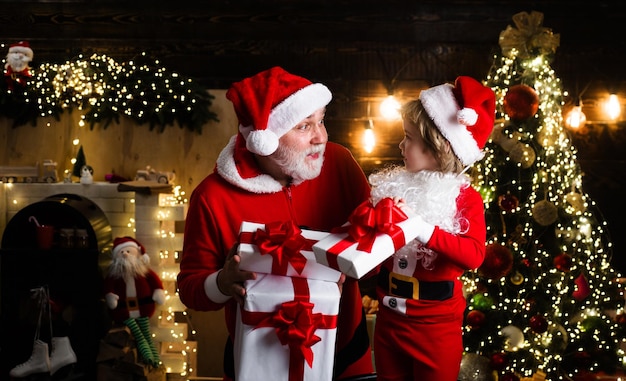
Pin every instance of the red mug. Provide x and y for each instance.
(45, 236)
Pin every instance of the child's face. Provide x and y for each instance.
(416, 156)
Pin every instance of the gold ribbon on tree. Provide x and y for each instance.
(529, 36)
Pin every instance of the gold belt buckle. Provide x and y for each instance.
(406, 279)
(132, 303)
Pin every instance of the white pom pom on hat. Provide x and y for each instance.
(270, 103)
(464, 114)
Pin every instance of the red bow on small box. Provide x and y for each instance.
(283, 241)
(368, 220)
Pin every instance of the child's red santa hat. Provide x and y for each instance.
(22, 47)
(464, 113)
(270, 103)
(121, 242)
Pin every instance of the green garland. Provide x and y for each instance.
(103, 90)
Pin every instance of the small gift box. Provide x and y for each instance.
(281, 248)
(372, 234)
(286, 329)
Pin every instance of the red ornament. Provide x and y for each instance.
(508, 202)
(508, 376)
(521, 102)
(497, 263)
(563, 262)
(620, 319)
(475, 319)
(498, 361)
(538, 324)
(582, 288)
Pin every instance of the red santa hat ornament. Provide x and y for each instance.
(270, 103)
(121, 242)
(22, 47)
(464, 113)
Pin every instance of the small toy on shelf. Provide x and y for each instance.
(151, 174)
(16, 69)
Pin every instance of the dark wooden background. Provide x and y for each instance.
(361, 49)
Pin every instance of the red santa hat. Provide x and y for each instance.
(121, 242)
(464, 113)
(21, 47)
(270, 103)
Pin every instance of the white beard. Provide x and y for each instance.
(431, 195)
(128, 267)
(17, 62)
(295, 163)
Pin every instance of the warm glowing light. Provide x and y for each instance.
(369, 139)
(613, 107)
(575, 118)
(389, 108)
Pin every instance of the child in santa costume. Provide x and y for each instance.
(131, 290)
(418, 333)
(279, 167)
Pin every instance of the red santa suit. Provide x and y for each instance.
(135, 295)
(269, 105)
(238, 192)
(419, 292)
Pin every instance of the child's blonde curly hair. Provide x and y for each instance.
(414, 113)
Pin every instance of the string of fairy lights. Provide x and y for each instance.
(174, 334)
(103, 90)
(554, 197)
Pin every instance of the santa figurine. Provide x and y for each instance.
(16, 69)
(132, 290)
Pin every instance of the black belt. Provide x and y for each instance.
(408, 287)
(134, 303)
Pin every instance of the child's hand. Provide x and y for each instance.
(400, 203)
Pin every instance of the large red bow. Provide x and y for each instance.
(368, 220)
(283, 241)
(295, 325)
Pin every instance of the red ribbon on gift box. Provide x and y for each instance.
(295, 325)
(284, 242)
(366, 222)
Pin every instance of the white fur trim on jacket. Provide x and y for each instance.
(441, 105)
(212, 291)
(228, 170)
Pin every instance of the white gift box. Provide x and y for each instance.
(253, 260)
(340, 252)
(259, 353)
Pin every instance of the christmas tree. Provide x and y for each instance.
(546, 303)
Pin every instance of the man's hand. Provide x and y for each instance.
(230, 279)
(341, 281)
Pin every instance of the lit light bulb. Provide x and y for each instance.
(613, 107)
(369, 139)
(575, 118)
(390, 108)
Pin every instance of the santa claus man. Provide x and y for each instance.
(16, 69)
(132, 291)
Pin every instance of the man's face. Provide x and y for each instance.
(300, 153)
